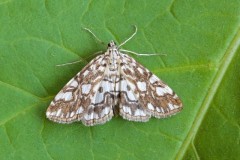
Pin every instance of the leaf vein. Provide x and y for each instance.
(223, 66)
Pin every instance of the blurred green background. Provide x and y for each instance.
(200, 37)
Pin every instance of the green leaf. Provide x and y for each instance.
(201, 39)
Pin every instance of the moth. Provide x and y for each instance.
(113, 83)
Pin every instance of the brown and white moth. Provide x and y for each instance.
(113, 83)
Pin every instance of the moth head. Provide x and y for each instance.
(111, 44)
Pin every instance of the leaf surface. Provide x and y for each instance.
(201, 40)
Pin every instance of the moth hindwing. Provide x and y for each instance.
(113, 83)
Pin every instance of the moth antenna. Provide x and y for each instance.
(138, 54)
(135, 32)
(65, 64)
(98, 39)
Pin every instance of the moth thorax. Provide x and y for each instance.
(114, 56)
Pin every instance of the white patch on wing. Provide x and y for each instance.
(141, 86)
(85, 73)
(80, 110)
(132, 86)
(99, 95)
(127, 109)
(67, 96)
(67, 116)
(59, 96)
(171, 107)
(117, 86)
(95, 116)
(162, 110)
(153, 79)
(139, 112)
(176, 106)
(93, 66)
(140, 70)
(86, 88)
(150, 106)
(72, 114)
(59, 112)
(52, 113)
(74, 83)
(101, 68)
(105, 111)
(130, 94)
(87, 117)
(160, 91)
(48, 114)
(168, 90)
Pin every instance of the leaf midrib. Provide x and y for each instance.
(223, 66)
